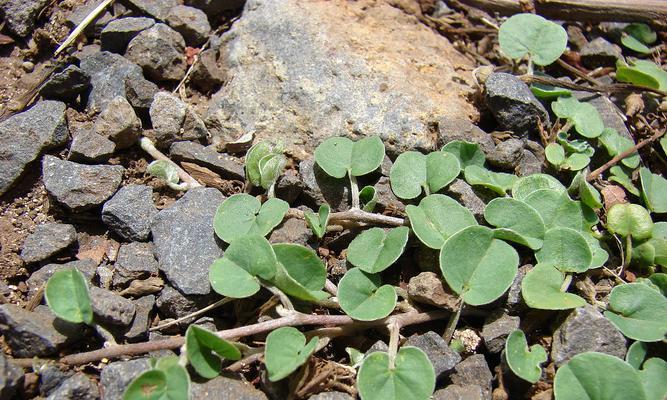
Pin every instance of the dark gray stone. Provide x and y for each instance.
(158, 9)
(140, 92)
(11, 377)
(226, 166)
(514, 302)
(130, 212)
(207, 74)
(450, 129)
(600, 53)
(48, 240)
(497, 327)
(185, 244)
(89, 147)
(514, 105)
(20, 16)
(160, 51)
(331, 396)
(139, 329)
(289, 186)
(116, 376)
(135, 261)
(460, 191)
(507, 155)
(474, 371)
(80, 187)
(78, 387)
(386, 199)
(50, 377)
(190, 22)
(292, 230)
(111, 308)
(377, 346)
(118, 33)
(66, 85)
(321, 188)
(79, 13)
(119, 123)
(529, 164)
(458, 392)
(215, 7)
(428, 288)
(173, 304)
(108, 72)
(443, 358)
(225, 388)
(38, 278)
(173, 120)
(586, 329)
(24, 136)
(37, 333)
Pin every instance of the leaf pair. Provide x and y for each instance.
(499, 182)
(555, 154)
(166, 380)
(636, 36)
(318, 223)
(242, 214)
(524, 361)
(339, 156)
(165, 170)
(374, 250)
(264, 163)
(286, 350)
(411, 377)
(437, 218)
(631, 220)
(413, 171)
(583, 116)
(206, 350)
(638, 311)
(363, 297)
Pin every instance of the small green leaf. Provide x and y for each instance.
(600, 255)
(588, 194)
(307, 274)
(543, 40)
(576, 162)
(654, 191)
(412, 376)
(634, 44)
(652, 377)
(356, 357)
(318, 223)
(659, 279)
(547, 92)
(205, 351)
(620, 176)
(163, 169)
(438, 217)
(526, 185)
(375, 250)
(413, 171)
(555, 154)
(522, 360)
(636, 36)
(339, 156)
(584, 116)
(293, 288)
(556, 209)
(270, 168)
(67, 296)
(617, 144)
(575, 145)
(597, 376)
(517, 221)
(286, 350)
(257, 152)
(368, 198)
(466, 153)
(565, 249)
(362, 297)
(642, 73)
(636, 354)
(150, 385)
(630, 220)
(242, 214)
(499, 182)
(541, 289)
(476, 266)
(638, 311)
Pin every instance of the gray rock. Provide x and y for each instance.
(473, 371)
(139, 329)
(173, 304)
(38, 278)
(386, 199)
(377, 346)
(11, 377)
(135, 261)
(89, 147)
(514, 301)
(108, 72)
(450, 129)
(443, 358)
(529, 164)
(190, 22)
(609, 112)
(80, 187)
(207, 74)
(322, 188)
(331, 396)
(37, 333)
(497, 327)
(104, 275)
(464, 194)
(215, 7)
(174, 120)
(115, 377)
(50, 377)
(296, 69)
(514, 105)
(458, 392)
(185, 244)
(118, 33)
(111, 308)
(66, 85)
(158, 9)
(289, 186)
(130, 212)
(227, 167)
(24, 136)
(48, 240)
(20, 16)
(140, 93)
(600, 53)
(119, 123)
(225, 388)
(160, 51)
(428, 288)
(292, 230)
(586, 329)
(507, 155)
(78, 14)
(78, 387)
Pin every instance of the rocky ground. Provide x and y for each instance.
(198, 79)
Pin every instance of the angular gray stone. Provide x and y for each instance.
(386, 199)
(158, 9)
(225, 388)
(80, 187)
(514, 301)
(458, 392)
(118, 33)
(78, 387)
(115, 377)
(321, 188)
(108, 72)
(529, 164)
(473, 371)
(289, 186)
(135, 261)
(450, 129)
(226, 166)
(377, 346)
(586, 329)
(142, 318)
(331, 396)
(130, 212)
(207, 74)
(497, 327)
(20, 16)
(507, 155)
(462, 192)
(37, 333)
(11, 377)
(119, 123)
(66, 85)
(50, 377)
(443, 358)
(215, 7)
(38, 278)
(514, 105)
(291, 230)
(48, 240)
(296, 69)
(111, 308)
(600, 53)
(140, 93)
(89, 147)
(173, 304)
(185, 244)
(24, 136)
(428, 288)
(160, 51)
(190, 22)
(174, 120)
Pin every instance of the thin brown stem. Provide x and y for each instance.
(197, 313)
(597, 88)
(354, 215)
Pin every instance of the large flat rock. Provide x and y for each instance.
(302, 71)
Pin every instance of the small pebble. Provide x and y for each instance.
(28, 66)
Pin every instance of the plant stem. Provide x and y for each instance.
(271, 193)
(109, 340)
(354, 215)
(197, 313)
(394, 336)
(148, 146)
(354, 190)
(284, 299)
(566, 283)
(628, 251)
(80, 28)
(451, 324)
(529, 70)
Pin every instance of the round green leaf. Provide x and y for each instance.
(584, 116)
(293, 288)
(541, 289)
(659, 279)
(302, 264)
(636, 354)
(242, 214)
(231, 280)
(466, 153)
(652, 377)
(178, 380)
(522, 360)
(257, 152)
(555, 154)
(597, 376)
(338, 156)
(412, 376)
(630, 220)
(499, 182)
(526, 185)
(367, 155)
(635, 45)
(286, 350)
(556, 209)
(477, 266)
(638, 311)
(375, 250)
(654, 191)
(67, 296)
(363, 298)
(438, 217)
(413, 171)
(617, 144)
(517, 221)
(600, 255)
(565, 249)
(576, 162)
(150, 385)
(620, 176)
(163, 169)
(205, 351)
(589, 195)
(531, 34)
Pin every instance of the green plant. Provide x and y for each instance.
(414, 171)
(206, 351)
(654, 191)
(67, 296)
(466, 153)
(636, 36)
(437, 218)
(545, 287)
(363, 297)
(638, 311)
(642, 73)
(242, 214)
(583, 117)
(524, 361)
(264, 163)
(318, 223)
(543, 40)
(166, 170)
(375, 250)
(166, 380)
(286, 350)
